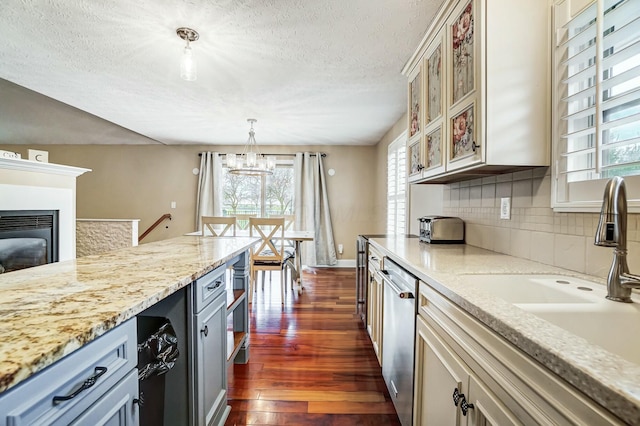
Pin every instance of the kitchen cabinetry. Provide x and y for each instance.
(97, 384)
(483, 69)
(467, 375)
(220, 336)
(375, 291)
(209, 347)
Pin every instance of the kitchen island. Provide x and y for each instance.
(50, 311)
(605, 378)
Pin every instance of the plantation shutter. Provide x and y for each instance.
(598, 79)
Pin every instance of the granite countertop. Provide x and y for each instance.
(48, 311)
(605, 377)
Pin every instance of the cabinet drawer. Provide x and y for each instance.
(208, 287)
(116, 407)
(110, 357)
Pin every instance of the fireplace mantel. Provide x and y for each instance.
(36, 166)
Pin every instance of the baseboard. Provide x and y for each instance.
(340, 263)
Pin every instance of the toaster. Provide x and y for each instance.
(441, 230)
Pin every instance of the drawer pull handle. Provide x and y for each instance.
(99, 371)
(205, 331)
(214, 285)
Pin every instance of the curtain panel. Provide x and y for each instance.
(208, 202)
(312, 209)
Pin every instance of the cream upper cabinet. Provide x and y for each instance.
(415, 121)
(483, 68)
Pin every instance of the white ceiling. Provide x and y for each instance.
(310, 71)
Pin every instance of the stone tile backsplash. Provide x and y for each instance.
(534, 231)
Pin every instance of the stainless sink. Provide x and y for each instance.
(573, 304)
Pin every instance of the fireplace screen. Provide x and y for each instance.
(27, 238)
(20, 253)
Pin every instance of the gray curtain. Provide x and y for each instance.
(312, 209)
(208, 202)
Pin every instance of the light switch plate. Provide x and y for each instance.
(505, 208)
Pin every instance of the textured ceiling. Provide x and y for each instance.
(310, 71)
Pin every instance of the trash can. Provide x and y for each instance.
(157, 354)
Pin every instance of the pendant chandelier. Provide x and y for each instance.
(188, 69)
(251, 162)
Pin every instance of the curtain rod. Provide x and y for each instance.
(322, 154)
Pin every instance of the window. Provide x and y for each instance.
(396, 186)
(263, 196)
(596, 99)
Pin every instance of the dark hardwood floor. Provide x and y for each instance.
(311, 362)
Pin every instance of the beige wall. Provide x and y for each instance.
(141, 181)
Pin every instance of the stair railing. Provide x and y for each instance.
(155, 224)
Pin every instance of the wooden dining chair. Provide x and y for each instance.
(242, 220)
(268, 254)
(218, 226)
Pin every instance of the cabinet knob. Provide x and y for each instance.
(464, 405)
(456, 397)
(474, 146)
(205, 331)
(139, 400)
(420, 167)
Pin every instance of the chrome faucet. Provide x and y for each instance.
(612, 232)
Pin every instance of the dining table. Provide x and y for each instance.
(296, 237)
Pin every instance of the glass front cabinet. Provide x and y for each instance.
(414, 125)
(483, 83)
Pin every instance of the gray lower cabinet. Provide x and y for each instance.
(210, 348)
(95, 385)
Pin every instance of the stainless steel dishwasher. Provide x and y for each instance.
(398, 342)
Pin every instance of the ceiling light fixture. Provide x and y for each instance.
(188, 69)
(251, 162)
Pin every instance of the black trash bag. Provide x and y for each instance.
(158, 353)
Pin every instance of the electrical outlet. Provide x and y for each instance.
(505, 208)
(340, 248)
(173, 204)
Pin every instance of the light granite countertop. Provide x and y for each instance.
(605, 377)
(48, 311)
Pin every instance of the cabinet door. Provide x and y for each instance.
(415, 154)
(379, 316)
(210, 337)
(464, 119)
(116, 407)
(414, 158)
(434, 147)
(371, 301)
(440, 374)
(486, 409)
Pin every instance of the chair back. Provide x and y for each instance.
(242, 220)
(271, 233)
(289, 222)
(223, 224)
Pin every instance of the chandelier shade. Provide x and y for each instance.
(251, 162)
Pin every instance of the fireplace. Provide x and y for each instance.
(28, 238)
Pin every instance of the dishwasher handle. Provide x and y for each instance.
(397, 290)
